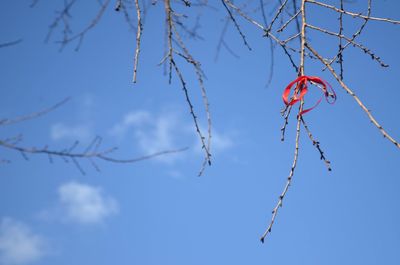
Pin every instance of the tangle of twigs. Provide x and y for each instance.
(280, 31)
(307, 51)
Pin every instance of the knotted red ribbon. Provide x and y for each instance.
(302, 88)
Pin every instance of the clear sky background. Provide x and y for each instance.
(158, 211)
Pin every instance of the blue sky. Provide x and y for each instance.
(158, 211)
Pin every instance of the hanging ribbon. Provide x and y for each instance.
(302, 88)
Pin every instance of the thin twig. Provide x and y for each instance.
(138, 37)
(340, 53)
(360, 46)
(289, 178)
(10, 43)
(277, 15)
(271, 46)
(282, 28)
(141, 158)
(286, 114)
(358, 15)
(292, 37)
(236, 25)
(317, 145)
(34, 114)
(222, 43)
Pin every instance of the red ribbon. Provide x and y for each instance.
(301, 89)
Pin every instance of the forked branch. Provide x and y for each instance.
(90, 153)
(289, 178)
(355, 97)
(174, 39)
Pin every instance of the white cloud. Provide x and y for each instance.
(81, 130)
(85, 204)
(18, 245)
(152, 133)
(220, 142)
(176, 174)
(166, 131)
(61, 131)
(132, 119)
(157, 135)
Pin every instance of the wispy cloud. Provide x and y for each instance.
(164, 131)
(85, 204)
(81, 130)
(157, 135)
(152, 133)
(18, 244)
(132, 119)
(60, 131)
(220, 142)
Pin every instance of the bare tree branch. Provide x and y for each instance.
(10, 43)
(174, 37)
(289, 178)
(357, 15)
(138, 37)
(89, 153)
(33, 115)
(349, 91)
